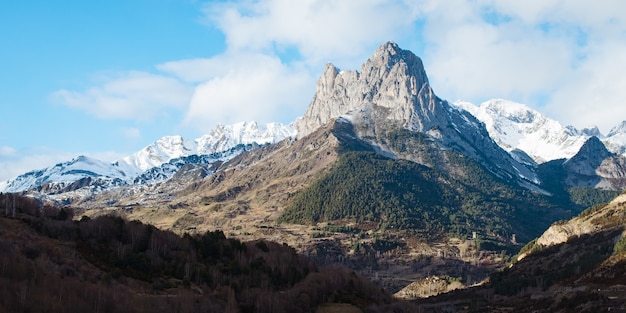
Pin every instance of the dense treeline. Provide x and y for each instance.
(51, 263)
(399, 194)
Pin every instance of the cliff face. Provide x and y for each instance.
(391, 78)
(594, 166)
(392, 92)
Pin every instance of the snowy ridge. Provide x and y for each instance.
(166, 170)
(222, 138)
(221, 144)
(225, 137)
(515, 126)
(615, 141)
(66, 172)
(163, 150)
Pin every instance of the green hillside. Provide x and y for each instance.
(365, 187)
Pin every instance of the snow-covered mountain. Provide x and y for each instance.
(615, 141)
(222, 138)
(66, 173)
(517, 128)
(225, 137)
(141, 167)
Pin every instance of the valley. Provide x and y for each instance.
(380, 180)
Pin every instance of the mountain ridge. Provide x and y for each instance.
(517, 127)
(124, 171)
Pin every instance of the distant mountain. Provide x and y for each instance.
(616, 139)
(523, 131)
(516, 127)
(220, 144)
(392, 91)
(56, 178)
(220, 139)
(594, 166)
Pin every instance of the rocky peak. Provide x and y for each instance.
(597, 167)
(592, 149)
(618, 130)
(391, 78)
(389, 58)
(590, 131)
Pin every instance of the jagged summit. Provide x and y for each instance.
(595, 166)
(515, 126)
(620, 129)
(590, 131)
(392, 91)
(389, 55)
(593, 147)
(391, 78)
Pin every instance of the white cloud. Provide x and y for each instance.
(28, 159)
(319, 30)
(130, 95)
(131, 132)
(595, 94)
(254, 87)
(6, 151)
(559, 56)
(563, 57)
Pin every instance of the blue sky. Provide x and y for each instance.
(106, 78)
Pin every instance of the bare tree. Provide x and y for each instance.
(6, 205)
(13, 204)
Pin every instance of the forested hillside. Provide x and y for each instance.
(51, 263)
(365, 187)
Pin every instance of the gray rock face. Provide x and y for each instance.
(595, 166)
(391, 78)
(392, 90)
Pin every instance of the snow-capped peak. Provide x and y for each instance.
(224, 137)
(161, 151)
(221, 139)
(515, 126)
(616, 139)
(66, 172)
(618, 130)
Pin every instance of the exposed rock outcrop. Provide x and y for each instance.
(392, 91)
(594, 166)
(391, 78)
(610, 216)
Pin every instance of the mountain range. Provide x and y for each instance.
(379, 174)
(220, 144)
(524, 132)
(527, 135)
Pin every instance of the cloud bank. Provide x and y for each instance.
(565, 58)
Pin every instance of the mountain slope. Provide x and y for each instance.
(524, 132)
(142, 166)
(107, 264)
(392, 90)
(577, 265)
(61, 175)
(515, 126)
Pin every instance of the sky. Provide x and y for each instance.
(107, 78)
